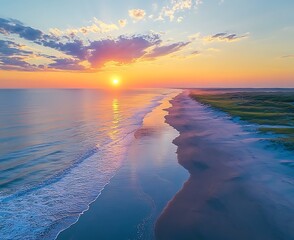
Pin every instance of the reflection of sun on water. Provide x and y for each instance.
(115, 109)
(116, 119)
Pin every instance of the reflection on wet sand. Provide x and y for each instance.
(116, 119)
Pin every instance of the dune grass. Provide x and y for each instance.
(273, 111)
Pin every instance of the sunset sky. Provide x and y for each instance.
(172, 43)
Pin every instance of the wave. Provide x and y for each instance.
(46, 209)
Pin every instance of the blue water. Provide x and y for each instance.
(58, 150)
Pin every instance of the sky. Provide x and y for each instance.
(170, 43)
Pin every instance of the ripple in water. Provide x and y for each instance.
(59, 148)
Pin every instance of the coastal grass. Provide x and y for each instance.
(272, 111)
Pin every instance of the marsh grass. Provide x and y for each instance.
(273, 109)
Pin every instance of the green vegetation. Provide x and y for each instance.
(273, 111)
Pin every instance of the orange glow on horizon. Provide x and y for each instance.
(99, 52)
(202, 71)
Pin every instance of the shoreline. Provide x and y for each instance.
(129, 205)
(222, 198)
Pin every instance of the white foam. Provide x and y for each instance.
(42, 212)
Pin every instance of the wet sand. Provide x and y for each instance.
(236, 188)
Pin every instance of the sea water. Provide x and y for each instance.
(58, 150)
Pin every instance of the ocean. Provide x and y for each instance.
(59, 149)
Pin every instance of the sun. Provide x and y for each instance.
(115, 82)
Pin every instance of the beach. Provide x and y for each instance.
(175, 170)
(194, 173)
(146, 120)
(237, 189)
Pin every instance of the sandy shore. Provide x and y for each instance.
(235, 189)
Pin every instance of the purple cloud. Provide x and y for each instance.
(16, 63)
(75, 48)
(9, 48)
(12, 56)
(66, 64)
(122, 50)
(225, 37)
(165, 50)
(195, 53)
(219, 35)
(13, 26)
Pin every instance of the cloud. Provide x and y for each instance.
(56, 32)
(78, 54)
(195, 53)
(122, 50)
(122, 23)
(96, 26)
(104, 27)
(66, 64)
(75, 48)
(218, 37)
(11, 26)
(16, 64)
(288, 56)
(223, 36)
(9, 48)
(15, 55)
(159, 51)
(180, 19)
(12, 56)
(137, 14)
(177, 6)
